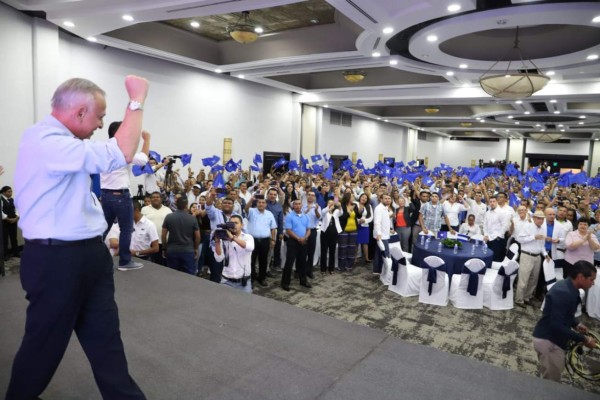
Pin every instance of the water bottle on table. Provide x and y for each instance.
(427, 242)
(440, 247)
(485, 248)
(422, 240)
(455, 248)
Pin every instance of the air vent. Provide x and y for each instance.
(539, 107)
(422, 135)
(363, 12)
(376, 43)
(531, 71)
(217, 3)
(475, 139)
(340, 118)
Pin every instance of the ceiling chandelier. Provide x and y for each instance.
(466, 124)
(244, 31)
(432, 110)
(354, 76)
(516, 84)
(545, 137)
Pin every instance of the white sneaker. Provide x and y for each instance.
(131, 265)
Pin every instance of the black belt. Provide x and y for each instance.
(235, 280)
(530, 254)
(58, 242)
(116, 190)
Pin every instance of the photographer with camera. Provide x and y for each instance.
(234, 249)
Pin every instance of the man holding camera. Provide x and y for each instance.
(235, 253)
(217, 217)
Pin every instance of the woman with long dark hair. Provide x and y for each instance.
(365, 217)
(347, 238)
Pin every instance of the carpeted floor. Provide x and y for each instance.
(501, 338)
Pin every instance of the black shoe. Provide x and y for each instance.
(522, 305)
(528, 302)
(262, 283)
(286, 288)
(311, 276)
(306, 284)
(269, 275)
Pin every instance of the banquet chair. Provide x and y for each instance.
(406, 278)
(466, 289)
(434, 282)
(511, 254)
(498, 287)
(386, 273)
(593, 299)
(551, 279)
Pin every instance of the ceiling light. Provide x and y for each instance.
(376, 54)
(244, 30)
(432, 38)
(241, 76)
(582, 117)
(259, 29)
(538, 125)
(511, 116)
(453, 7)
(493, 130)
(432, 110)
(69, 24)
(552, 101)
(519, 102)
(354, 76)
(562, 130)
(580, 123)
(387, 30)
(127, 17)
(596, 19)
(482, 120)
(385, 120)
(463, 66)
(596, 139)
(325, 106)
(550, 73)
(527, 112)
(560, 126)
(218, 70)
(513, 85)
(592, 57)
(543, 130)
(450, 73)
(378, 118)
(92, 39)
(195, 24)
(517, 123)
(556, 112)
(393, 62)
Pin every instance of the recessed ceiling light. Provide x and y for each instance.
(387, 30)
(592, 57)
(241, 76)
(562, 130)
(454, 7)
(393, 62)
(596, 20)
(510, 116)
(378, 118)
(596, 139)
(538, 125)
(386, 120)
(582, 117)
(542, 130)
(450, 73)
(218, 70)
(519, 102)
(556, 112)
(508, 130)
(482, 120)
(550, 73)
(463, 66)
(127, 17)
(581, 123)
(195, 24)
(376, 54)
(92, 39)
(517, 123)
(493, 130)
(527, 112)
(552, 101)
(560, 125)
(325, 106)
(259, 29)
(69, 24)
(432, 38)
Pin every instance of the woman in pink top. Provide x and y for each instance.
(581, 243)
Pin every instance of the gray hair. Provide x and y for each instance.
(74, 92)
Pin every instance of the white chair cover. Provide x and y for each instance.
(593, 299)
(511, 254)
(386, 274)
(551, 279)
(408, 277)
(493, 283)
(459, 294)
(439, 289)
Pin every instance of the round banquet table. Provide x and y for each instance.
(454, 262)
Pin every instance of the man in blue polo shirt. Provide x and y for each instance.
(263, 228)
(277, 211)
(296, 227)
(312, 210)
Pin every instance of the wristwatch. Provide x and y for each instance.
(135, 105)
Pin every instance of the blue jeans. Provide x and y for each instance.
(182, 261)
(238, 285)
(118, 205)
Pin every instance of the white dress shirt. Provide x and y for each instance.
(52, 182)
(451, 210)
(518, 224)
(144, 233)
(120, 178)
(528, 241)
(157, 217)
(382, 222)
(478, 210)
(326, 217)
(494, 224)
(239, 257)
(466, 229)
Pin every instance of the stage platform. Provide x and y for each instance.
(188, 338)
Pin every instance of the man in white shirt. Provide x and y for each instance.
(495, 226)
(531, 237)
(477, 208)
(156, 213)
(382, 227)
(152, 181)
(517, 223)
(144, 240)
(193, 195)
(235, 253)
(561, 218)
(116, 198)
(244, 193)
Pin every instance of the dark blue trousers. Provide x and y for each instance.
(70, 288)
(118, 205)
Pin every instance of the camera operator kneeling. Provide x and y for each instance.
(235, 252)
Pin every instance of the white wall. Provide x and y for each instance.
(458, 153)
(575, 148)
(366, 137)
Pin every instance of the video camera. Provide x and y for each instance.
(221, 231)
(172, 159)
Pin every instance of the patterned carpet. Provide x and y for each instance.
(501, 338)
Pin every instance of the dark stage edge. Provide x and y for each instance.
(187, 338)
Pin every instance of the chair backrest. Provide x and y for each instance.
(475, 265)
(549, 272)
(396, 253)
(513, 251)
(510, 267)
(432, 261)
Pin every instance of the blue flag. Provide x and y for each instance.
(315, 158)
(478, 175)
(216, 168)
(537, 186)
(138, 170)
(186, 159)
(155, 155)
(255, 168)
(219, 182)
(280, 163)
(513, 200)
(257, 159)
(346, 164)
(526, 192)
(427, 180)
(293, 165)
(329, 173)
(360, 165)
(231, 165)
(210, 161)
(317, 169)
(578, 179)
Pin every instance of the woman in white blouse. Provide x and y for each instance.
(470, 228)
